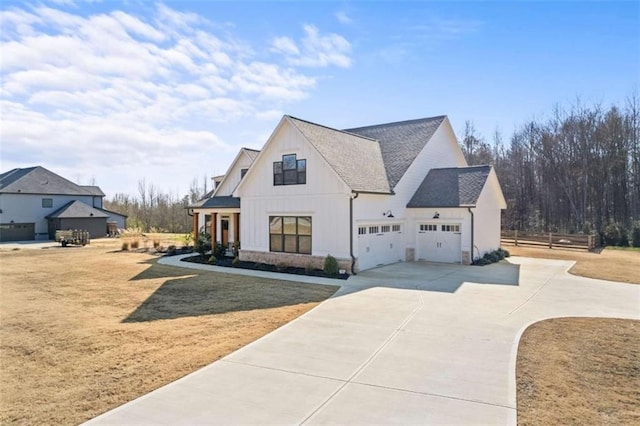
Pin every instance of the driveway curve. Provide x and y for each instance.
(410, 343)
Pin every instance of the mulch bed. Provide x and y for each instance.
(227, 262)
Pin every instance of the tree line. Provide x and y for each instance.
(154, 210)
(577, 171)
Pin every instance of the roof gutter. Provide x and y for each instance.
(353, 258)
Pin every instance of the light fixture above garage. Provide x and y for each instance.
(436, 216)
(388, 214)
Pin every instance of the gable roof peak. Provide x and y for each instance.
(331, 128)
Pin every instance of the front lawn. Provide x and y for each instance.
(579, 371)
(83, 330)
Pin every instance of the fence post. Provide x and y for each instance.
(550, 240)
(515, 238)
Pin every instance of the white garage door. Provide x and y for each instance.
(379, 245)
(439, 242)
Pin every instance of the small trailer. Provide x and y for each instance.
(75, 236)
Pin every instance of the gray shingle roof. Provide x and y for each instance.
(77, 209)
(38, 180)
(356, 159)
(451, 187)
(219, 201)
(400, 142)
(94, 190)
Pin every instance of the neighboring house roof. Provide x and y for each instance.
(111, 212)
(400, 142)
(38, 180)
(451, 187)
(356, 159)
(94, 190)
(77, 210)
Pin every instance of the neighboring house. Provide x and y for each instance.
(368, 196)
(35, 202)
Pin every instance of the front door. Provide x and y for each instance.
(224, 224)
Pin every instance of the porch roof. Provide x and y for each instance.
(221, 201)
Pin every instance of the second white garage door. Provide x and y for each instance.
(439, 242)
(379, 245)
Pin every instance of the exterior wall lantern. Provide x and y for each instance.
(436, 216)
(388, 214)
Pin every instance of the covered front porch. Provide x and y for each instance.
(220, 217)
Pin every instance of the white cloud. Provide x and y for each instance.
(343, 18)
(122, 89)
(316, 50)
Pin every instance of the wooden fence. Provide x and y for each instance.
(550, 240)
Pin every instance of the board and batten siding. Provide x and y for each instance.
(325, 197)
(27, 208)
(487, 218)
(232, 177)
(442, 150)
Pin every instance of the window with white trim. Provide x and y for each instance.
(450, 228)
(373, 229)
(386, 228)
(395, 228)
(428, 227)
(362, 230)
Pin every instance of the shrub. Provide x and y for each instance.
(491, 257)
(235, 261)
(187, 239)
(203, 244)
(499, 254)
(156, 243)
(171, 250)
(612, 234)
(330, 265)
(635, 235)
(212, 260)
(219, 250)
(125, 245)
(236, 249)
(505, 252)
(482, 261)
(135, 243)
(624, 238)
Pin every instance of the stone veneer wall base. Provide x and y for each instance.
(291, 259)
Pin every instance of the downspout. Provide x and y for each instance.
(353, 258)
(472, 225)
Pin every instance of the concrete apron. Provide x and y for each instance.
(411, 343)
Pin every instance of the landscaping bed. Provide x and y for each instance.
(228, 262)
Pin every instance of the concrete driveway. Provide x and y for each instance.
(410, 343)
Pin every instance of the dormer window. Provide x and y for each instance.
(290, 171)
(243, 172)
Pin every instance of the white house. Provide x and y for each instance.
(368, 196)
(35, 202)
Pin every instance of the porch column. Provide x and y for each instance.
(195, 227)
(236, 227)
(214, 228)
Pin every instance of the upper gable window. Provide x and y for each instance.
(47, 203)
(290, 171)
(243, 172)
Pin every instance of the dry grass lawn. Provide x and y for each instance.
(83, 330)
(610, 264)
(579, 371)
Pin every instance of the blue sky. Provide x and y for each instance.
(112, 92)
